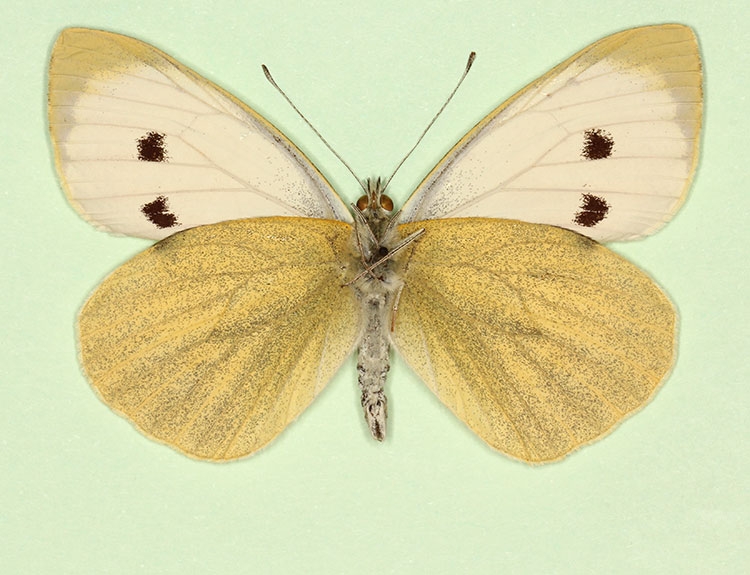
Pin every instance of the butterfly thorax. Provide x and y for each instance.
(376, 287)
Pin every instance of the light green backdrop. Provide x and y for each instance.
(82, 492)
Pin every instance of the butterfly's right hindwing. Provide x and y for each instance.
(215, 339)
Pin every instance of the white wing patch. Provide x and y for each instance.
(146, 147)
(605, 144)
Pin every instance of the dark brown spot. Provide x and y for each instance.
(593, 210)
(151, 148)
(597, 144)
(157, 212)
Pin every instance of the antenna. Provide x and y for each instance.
(301, 115)
(469, 62)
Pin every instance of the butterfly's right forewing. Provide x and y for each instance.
(146, 147)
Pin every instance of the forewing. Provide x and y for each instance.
(215, 339)
(605, 144)
(146, 147)
(538, 338)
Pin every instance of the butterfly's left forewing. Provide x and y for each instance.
(605, 144)
(145, 146)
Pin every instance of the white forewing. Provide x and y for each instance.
(146, 147)
(605, 144)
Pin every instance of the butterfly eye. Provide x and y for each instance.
(363, 202)
(386, 203)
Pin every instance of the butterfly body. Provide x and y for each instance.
(373, 359)
(377, 286)
(489, 282)
(375, 236)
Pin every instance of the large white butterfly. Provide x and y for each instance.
(489, 282)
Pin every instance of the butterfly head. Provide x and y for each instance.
(375, 210)
(376, 233)
(375, 199)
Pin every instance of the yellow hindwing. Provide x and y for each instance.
(540, 339)
(216, 338)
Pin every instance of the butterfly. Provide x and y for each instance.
(490, 282)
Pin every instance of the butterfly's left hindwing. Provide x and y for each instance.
(539, 339)
(146, 147)
(215, 339)
(605, 144)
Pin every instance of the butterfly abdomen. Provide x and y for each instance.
(373, 362)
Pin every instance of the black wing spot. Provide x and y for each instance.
(151, 148)
(157, 212)
(597, 144)
(593, 210)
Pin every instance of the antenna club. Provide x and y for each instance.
(267, 73)
(470, 61)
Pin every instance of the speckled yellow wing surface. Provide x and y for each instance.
(216, 338)
(540, 339)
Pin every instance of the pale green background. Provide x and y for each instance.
(82, 492)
